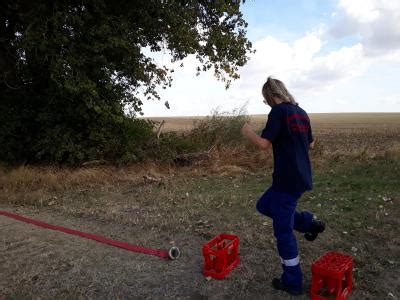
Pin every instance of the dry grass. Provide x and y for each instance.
(30, 178)
(42, 185)
(340, 137)
(53, 179)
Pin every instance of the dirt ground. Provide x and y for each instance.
(37, 262)
(40, 263)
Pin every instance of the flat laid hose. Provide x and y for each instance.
(172, 253)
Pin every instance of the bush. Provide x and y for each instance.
(131, 142)
(170, 145)
(115, 138)
(221, 128)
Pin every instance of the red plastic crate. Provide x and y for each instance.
(221, 255)
(332, 276)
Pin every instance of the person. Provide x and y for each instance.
(289, 132)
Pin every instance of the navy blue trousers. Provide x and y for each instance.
(281, 208)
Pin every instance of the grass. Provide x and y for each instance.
(356, 191)
(359, 200)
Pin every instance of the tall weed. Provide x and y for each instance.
(221, 128)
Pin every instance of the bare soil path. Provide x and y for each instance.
(37, 262)
(40, 262)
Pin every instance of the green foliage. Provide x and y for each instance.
(70, 69)
(131, 142)
(170, 145)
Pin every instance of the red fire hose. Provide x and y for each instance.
(173, 253)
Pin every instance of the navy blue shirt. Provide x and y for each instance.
(288, 129)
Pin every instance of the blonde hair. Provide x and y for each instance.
(274, 88)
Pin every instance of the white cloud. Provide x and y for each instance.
(325, 71)
(376, 22)
(303, 64)
(390, 100)
(300, 64)
(279, 59)
(364, 11)
(308, 71)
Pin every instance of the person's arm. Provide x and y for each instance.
(311, 140)
(254, 138)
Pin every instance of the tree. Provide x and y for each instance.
(69, 69)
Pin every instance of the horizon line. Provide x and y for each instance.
(346, 112)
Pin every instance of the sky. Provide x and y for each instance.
(333, 56)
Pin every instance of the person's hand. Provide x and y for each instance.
(246, 128)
